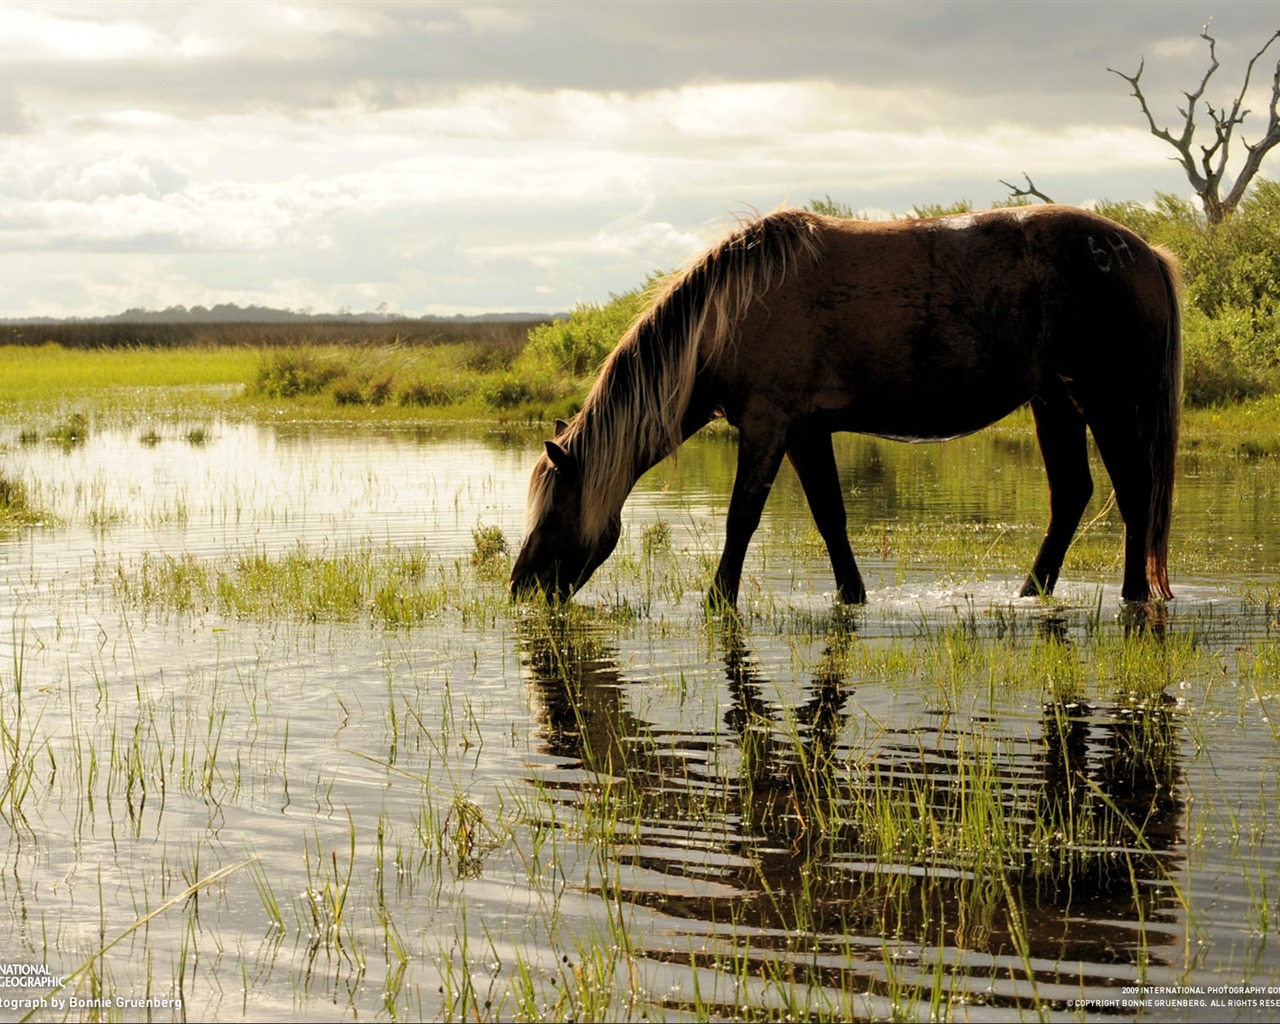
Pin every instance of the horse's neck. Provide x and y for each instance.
(623, 425)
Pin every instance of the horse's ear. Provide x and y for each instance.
(561, 427)
(561, 459)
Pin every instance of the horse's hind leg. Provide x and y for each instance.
(811, 454)
(1129, 465)
(1061, 430)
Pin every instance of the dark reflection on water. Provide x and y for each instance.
(1015, 863)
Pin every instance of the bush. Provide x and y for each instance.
(578, 345)
(495, 354)
(289, 372)
(489, 545)
(1218, 364)
(353, 391)
(429, 392)
(506, 392)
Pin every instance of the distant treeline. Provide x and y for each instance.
(110, 334)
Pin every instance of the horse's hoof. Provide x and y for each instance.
(847, 595)
(1034, 588)
(720, 603)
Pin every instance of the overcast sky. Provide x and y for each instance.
(468, 157)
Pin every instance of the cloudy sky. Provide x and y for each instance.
(468, 157)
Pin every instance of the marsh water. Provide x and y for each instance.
(949, 803)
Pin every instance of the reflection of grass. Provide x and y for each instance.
(933, 834)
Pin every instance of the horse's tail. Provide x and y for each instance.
(1163, 415)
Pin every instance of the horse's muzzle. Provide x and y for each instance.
(528, 585)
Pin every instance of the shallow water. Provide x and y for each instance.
(633, 811)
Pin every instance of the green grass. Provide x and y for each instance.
(441, 381)
(15, 505)
(394, 587)
(391, 586)
(51, 373)
(1247, 429)
(357, 380)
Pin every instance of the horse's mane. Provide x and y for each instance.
(632, 417)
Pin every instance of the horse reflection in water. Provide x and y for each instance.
(764, 825)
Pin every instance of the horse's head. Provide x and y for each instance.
(555, 557)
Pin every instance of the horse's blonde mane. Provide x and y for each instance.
(632, 417)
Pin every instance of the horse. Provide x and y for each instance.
(797, 325)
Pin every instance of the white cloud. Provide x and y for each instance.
(40, 33)
(114, 32)
(526, 186)
(661, 242)
(458, 156)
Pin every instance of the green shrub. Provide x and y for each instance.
(506, 392)
(493, 354)
(930, 210)
(429, 392)
(488, 545)
(1219, 362)
(290, 372)
(828, 207)
(357, 391)
(578, 345)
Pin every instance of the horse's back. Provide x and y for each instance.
(929, 328)
(893, 321)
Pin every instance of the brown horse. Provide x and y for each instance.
(797, 325)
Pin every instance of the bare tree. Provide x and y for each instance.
(1207, 170)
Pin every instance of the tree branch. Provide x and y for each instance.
(1030, 190)
(1206, 173)
(1253, 161)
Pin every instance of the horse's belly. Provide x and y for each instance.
(925, 417)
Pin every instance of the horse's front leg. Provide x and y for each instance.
(814, 460)
(759, 456)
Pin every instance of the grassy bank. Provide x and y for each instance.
(43, 387)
